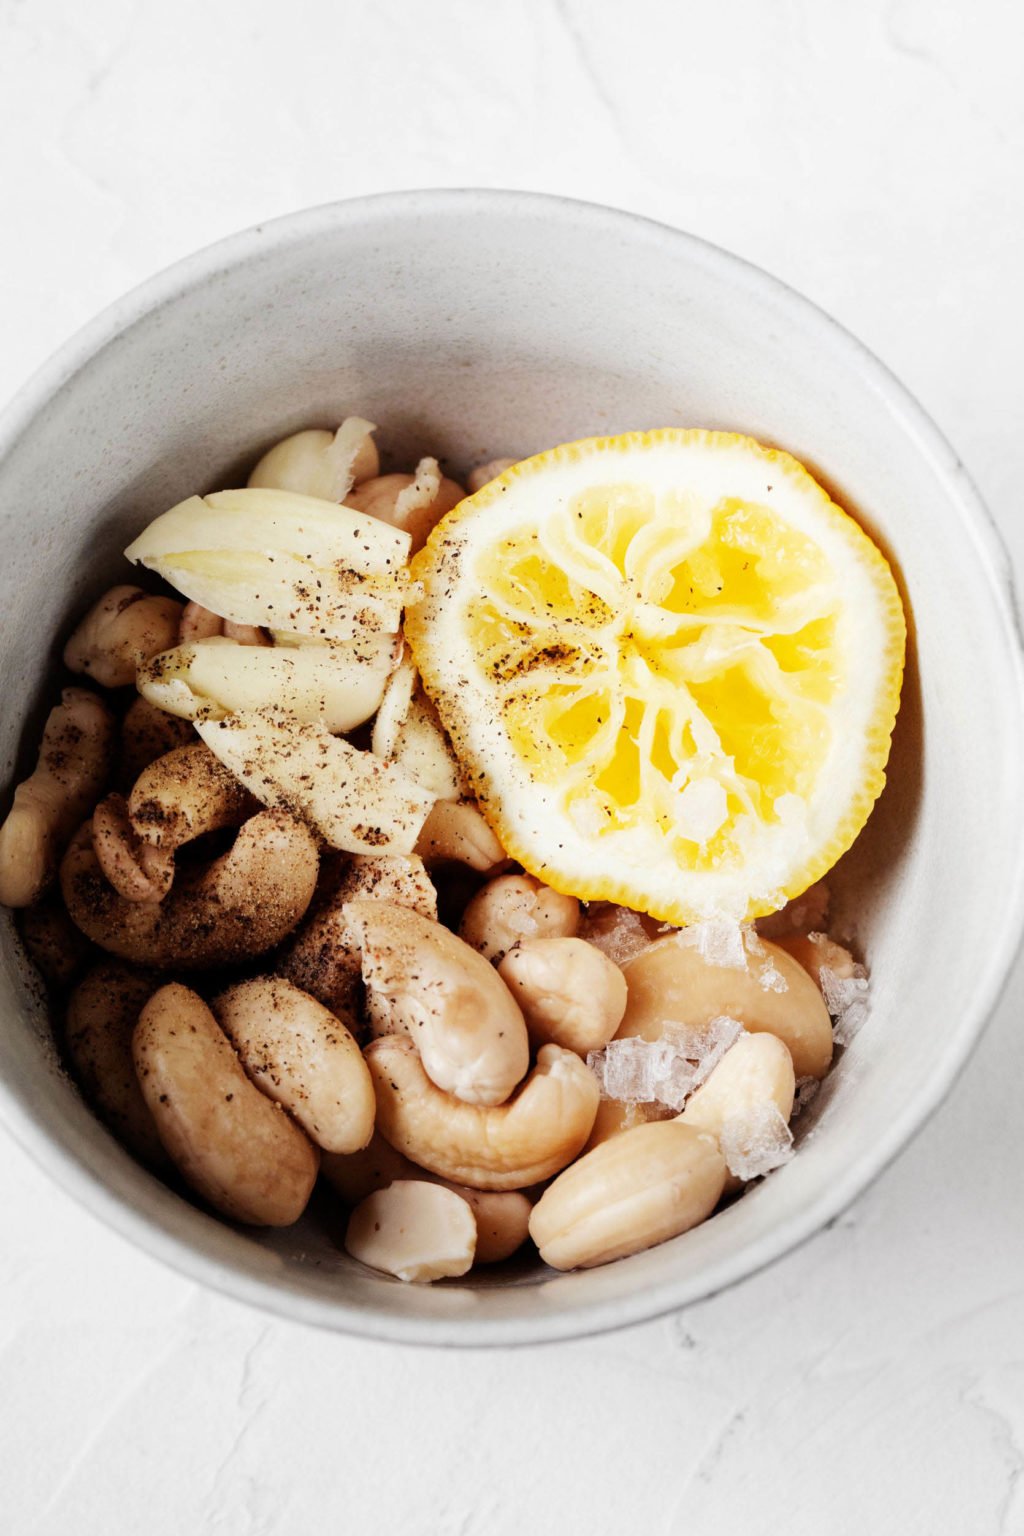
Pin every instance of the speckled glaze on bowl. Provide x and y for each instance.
(472, 324)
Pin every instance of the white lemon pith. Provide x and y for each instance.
(670, 665)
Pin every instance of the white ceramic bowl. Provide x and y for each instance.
(471, 324)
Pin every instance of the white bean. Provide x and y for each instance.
(413, 1230)
(569, 992)
(638, 1189)
(513, 908)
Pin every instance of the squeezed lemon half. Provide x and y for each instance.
(670, 665)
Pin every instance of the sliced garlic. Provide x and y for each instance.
(407, 731)
(286, 637)
(282, 561)
(338, 684)
(423, 749)
(394, 706)
(354, 800)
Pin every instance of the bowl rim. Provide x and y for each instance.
(90, 1190)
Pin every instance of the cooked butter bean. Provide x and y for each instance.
(413, 1230)
(504, 1146)
(755, 1072)
(513, 909)
(816, 952)
(423, 981)
(53, 943)
(502, 1216)
(122, 630)
(323, 957)
(569, 992)
(236, 1147)
(73, 763)
(103, 1011)
(302, 1056)
(629, 1193)
(613, 1117)
(672, 983)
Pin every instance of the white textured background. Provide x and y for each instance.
(870, 154)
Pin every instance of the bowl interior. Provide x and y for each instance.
(469, 326)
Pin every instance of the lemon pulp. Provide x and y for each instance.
(671, 666)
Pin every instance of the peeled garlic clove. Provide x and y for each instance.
(353, 800)
(456, 833)
(420, 745)
(408, 731)
(413, 1230)
(259, 520)
(339, 684)
(287, 637)
(394, 706)
(425, 752)
(320, 463)
(281, 561)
